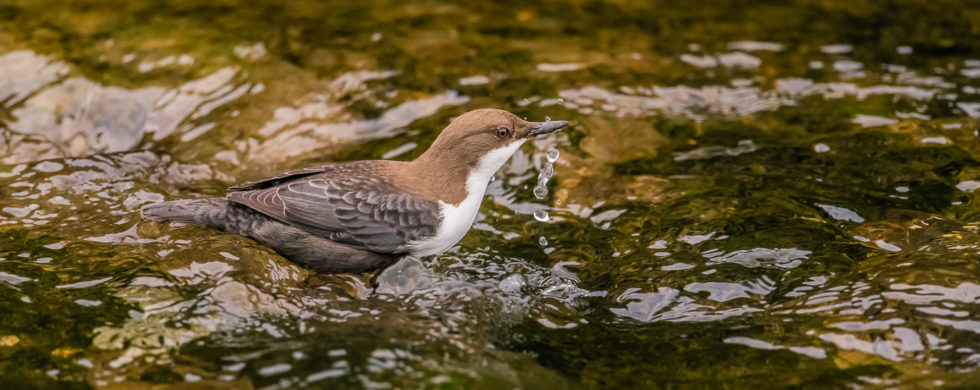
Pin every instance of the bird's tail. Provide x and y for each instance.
(213, 212)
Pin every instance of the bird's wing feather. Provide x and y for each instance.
(355, 210)
(277, 180)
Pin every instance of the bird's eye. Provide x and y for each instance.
(502, 132)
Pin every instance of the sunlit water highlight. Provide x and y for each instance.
(740, 210)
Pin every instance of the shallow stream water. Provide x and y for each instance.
(781, 194)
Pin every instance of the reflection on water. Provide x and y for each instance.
(726, 209)
(78, 117)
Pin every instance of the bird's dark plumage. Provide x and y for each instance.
(316, 216)
(345, 202)
(308, 250)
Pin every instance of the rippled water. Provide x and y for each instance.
(770, 195)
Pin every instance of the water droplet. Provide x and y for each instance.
(558, 203)
(493, 178)
(540, 191)
(525, 101)
(546, 173)
(541, 215)
(543, 241)
(547, 119)
(561, 101)
(552, 154)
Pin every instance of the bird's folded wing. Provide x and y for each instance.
(358, 211)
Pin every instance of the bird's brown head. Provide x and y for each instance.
(477, 133)
(479, 142)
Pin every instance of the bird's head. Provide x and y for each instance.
(470, 150)
(486, 138)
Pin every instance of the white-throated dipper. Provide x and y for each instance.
(358, 216)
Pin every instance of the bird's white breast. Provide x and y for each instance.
(457, 219)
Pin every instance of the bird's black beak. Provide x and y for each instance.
(548, 127)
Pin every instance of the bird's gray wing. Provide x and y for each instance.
(357, 211)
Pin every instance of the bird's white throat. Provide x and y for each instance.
(457, 219)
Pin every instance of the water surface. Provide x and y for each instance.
(768, 195)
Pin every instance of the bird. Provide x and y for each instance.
(360, 216)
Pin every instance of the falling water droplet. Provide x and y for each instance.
(541, 215)
(561, 101)
(547, 119)
(552, 154)
(546, 173)
(540, 191)
(543, 241)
